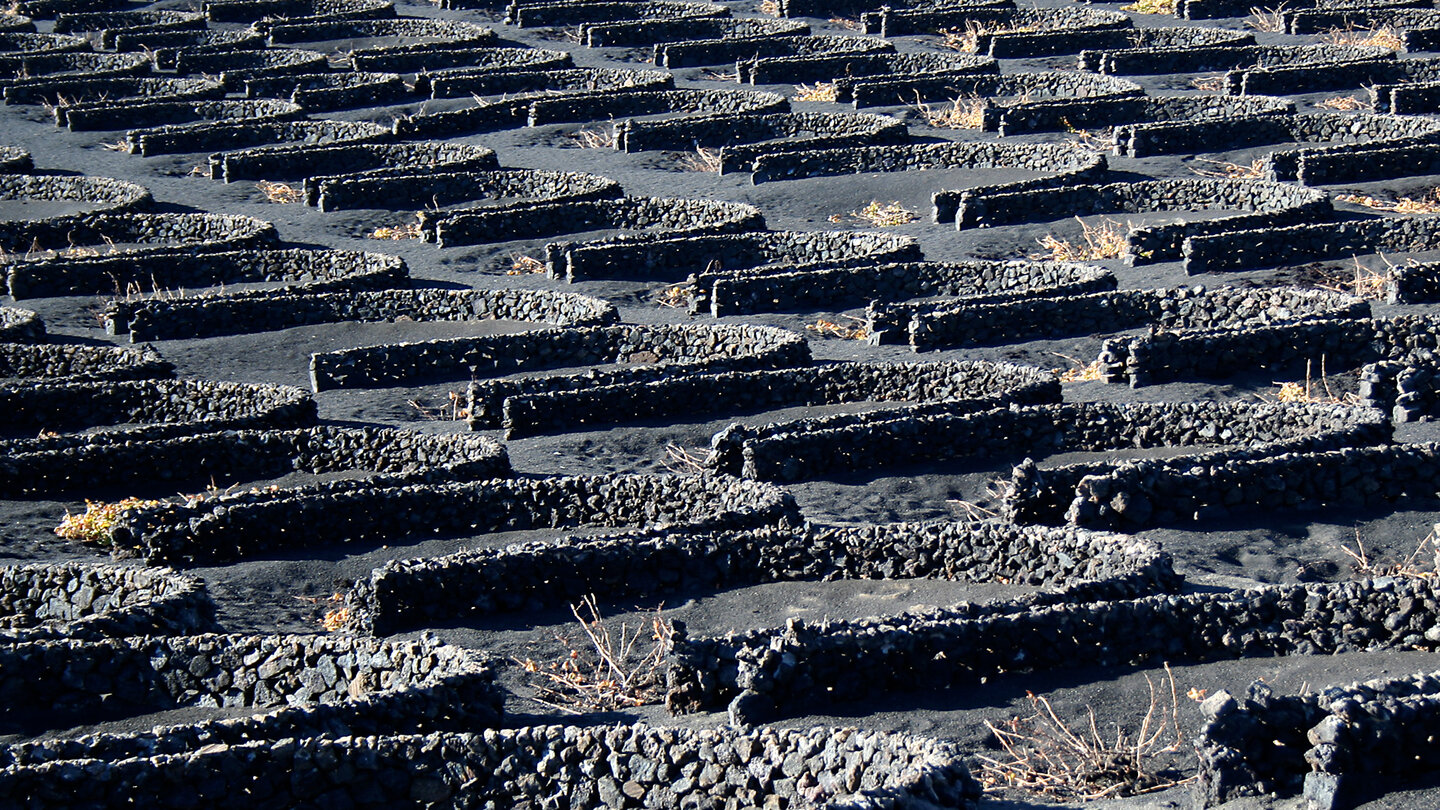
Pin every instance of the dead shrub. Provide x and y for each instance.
(613, 668)
(1104, 240)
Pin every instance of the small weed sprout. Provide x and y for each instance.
(819, 91)
(522, 265)
(1152, 7)
(701, 160)
(961, 113)
(885, 215)
(1429, 203)
(1343, 104)
(1045, 755)
(1104, 240)
(1422, 563)
(828, 328)
(1382, 37)
(614, 669)
(398, 233)
(94, 525)
(1232, 171)
(281, 193)
(1268, 20)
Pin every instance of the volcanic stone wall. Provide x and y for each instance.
(87, 601)
(332, 91)
(1076, 565)
(531, 220)
(787, 668)
(693, 52)
(236, 134)
(1292, 244)
(236, 526)
(822, 767)
(21, 325)
(242, 313)
(67, 362)
(127, 114)
(213, 405)
(414, 187)
(728, 347)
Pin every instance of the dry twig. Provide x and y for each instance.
(604, 137)
(522, 265)
(701, 160)
(1422, 563)
(1343, 104)
(682, 461)
(1382, 37)
(613, 670)
(398, 233)
(1232, 171)
(280, 192)
(1269, 20)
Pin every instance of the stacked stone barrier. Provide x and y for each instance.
(1334, 67)
(234, 68)
(784, 670)
(197, 405)
(1071, 565)
(597, 106)
(157, 236)
(666, 257)
(805, 449)
(244, 525)
(439, 37)
(317, 163)
(1331, 131)
(57, 362)
(70, 679)
(78, 63)
(738, 347)
(226, 135)
(1122, 112)
(545, 219)
(245, 313)
(261, 13)
(91, 601)
(112, 115)
(1317, 744)
(1264, 205)
(165, 47)
(1164, 50)
(818, 8)
(1004, 33)
(691, 53)
(1211, 9)
(12, 23)
(321, 92)
(1295, 244)
(62, 91)
(553, 765)
(21, 325)
(110, 24)
(545, 14)
(819, 286)
(1418, 28)
(29, 43)
(417, 187)
(632, 33)
(858, 66)
(102, 196)
(930, 326)
(142, 457)
(742, 139)
(527, 83)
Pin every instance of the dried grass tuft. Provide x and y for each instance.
(1382, 37)
(1209, 84)
(963, 112)
(1152, 7)
(1232, 171)
(849, 24)
(1422, 563)
(1104, 240)
(676, 297)
(604, 137)
(1268, 20)
(851, 331)
(522, 265)
(819, 91)
(1427, 204)
(885, 215)
(1312, 392)
(280, 192)
(967, 39)
(398, 233)
(1343, 104)
(94, 525)
(1078, 371)
(701, 160)
(683, 462)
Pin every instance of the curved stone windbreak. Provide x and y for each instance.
(1324, 745)
(234, 68)
(90, 601)
(21, 325)
(78, 63)
(56, 362)
(1295, 244)
(805, 449)
(243, 313)
(937, 648)
(64, 91)
(200, 405)
(416, 187)
(317, 164)
(741, 50)
(930, 326)
(667, 257)
(1003, 33)
(541, 219)
(531, 84)
(632, 33)
(1321, 68)
(102, 196)
(542, 766)
(65, 681)
(443, 43)
(1228, 51)
(1210, 9)
(79, 244)
(1073, 565)
(443, 57)
(743, 138)
(178, 457)
(696, 347)
(247, 524)
(529, 14)
(1266, 205)
(598, 106)
(1119, 109)
(856, 66)
(321, 92)
(109, 24)
(112, 115)
(262, 13)
(165, 47)
(225, 135)
(1068, 163)
(820, 286)
(1417, 28)
(29, 43)
(585, 401)
(11, 22)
